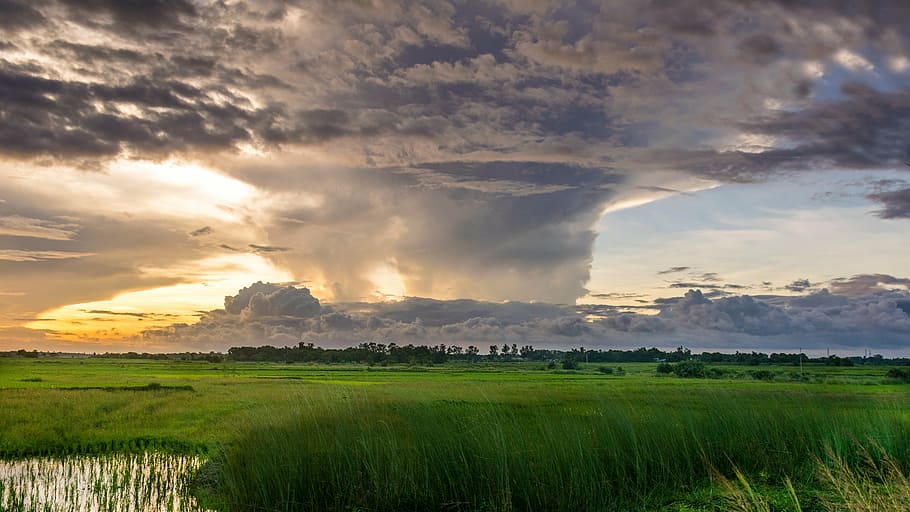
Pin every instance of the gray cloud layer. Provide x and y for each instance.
(435, 79)
(281, 315)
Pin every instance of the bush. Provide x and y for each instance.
(899, 374)
(606, 370)
(762, 375)
(665, 368)
(570, 364)
(690, 369)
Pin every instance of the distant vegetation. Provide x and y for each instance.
(392, 353)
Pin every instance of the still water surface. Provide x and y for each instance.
(145, 482)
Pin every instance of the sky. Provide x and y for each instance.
(194, 175)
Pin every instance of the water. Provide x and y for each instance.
(145, 482)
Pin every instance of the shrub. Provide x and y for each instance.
(690, 369)
(899, 374)
(762, 375)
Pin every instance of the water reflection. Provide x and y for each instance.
(147, 482)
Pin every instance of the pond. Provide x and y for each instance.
(143, 482)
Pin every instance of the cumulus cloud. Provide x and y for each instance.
(276, 314)
(263, 300)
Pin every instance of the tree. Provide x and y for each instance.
(494, 351)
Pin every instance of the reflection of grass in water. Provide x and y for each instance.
(343, 451)
(111, 483)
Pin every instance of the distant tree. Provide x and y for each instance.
(569, 363)
(494, 351)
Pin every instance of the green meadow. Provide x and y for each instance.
(478, 437)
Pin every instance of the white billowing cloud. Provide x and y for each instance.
(282, 315)
(264, 300)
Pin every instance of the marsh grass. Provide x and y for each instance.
(346, 452)
(878, 484)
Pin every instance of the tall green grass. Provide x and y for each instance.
(344, 451)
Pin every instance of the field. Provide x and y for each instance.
(507, 436)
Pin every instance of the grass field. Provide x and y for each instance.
(510, 436)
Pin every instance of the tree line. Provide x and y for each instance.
(392, 353)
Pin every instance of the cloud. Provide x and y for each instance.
(17, 225)
(517, 246)
(865, 129)
(456, 150)
(736, 314)
(16, 15)
(26, 255)
(205, 230)
(267, 313)
(151, 13)
(268, 248)
(896, 203)
(865, 284)
(673, 270)
(799, 285)
(264, 300)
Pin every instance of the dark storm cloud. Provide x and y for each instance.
(48, 117)
(867, 128)
(524, 230)
(896, 203)
(17, 15)
(282, 315)
(467, 77)
(436, 313)
(152, 13)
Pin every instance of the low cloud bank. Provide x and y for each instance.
(266, 313)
